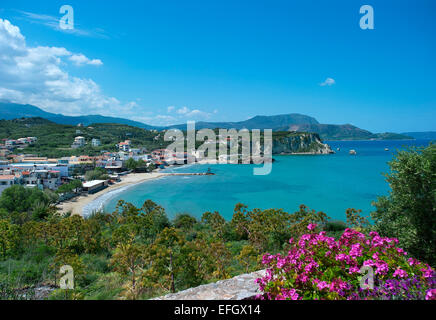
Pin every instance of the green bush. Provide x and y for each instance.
(409, 211)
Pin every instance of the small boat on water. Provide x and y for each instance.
(386, 149)
(339, 149)
(353, 152)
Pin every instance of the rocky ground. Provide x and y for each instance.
(237, 288)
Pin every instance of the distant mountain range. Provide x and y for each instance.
(300, 122)
(422, 135)
(9, 111)
(285, 122)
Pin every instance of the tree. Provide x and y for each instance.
(96, 174)
(247, 257)
(409, 211)
(265, 229)
(184, 221)
(131, 164)
(216, 222)
(165, 260)
(128, 259)
(70, 187)
(9, 238)
(356, 221)
(24, 200)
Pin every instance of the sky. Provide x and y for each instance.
(166, 62)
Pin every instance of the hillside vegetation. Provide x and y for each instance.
(54, 140)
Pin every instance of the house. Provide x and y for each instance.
(96, 142)
(114, 166)
(43, 179)
(78, 142)
(95, 186)
(10, 143)
(158, 154)
(125, 146)
(6, 181)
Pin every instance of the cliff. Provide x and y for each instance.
(299, 143)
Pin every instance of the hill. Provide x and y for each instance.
(54, 140)
(422, 135)
(300, 123)
(9, 111)
(258, 122)
(284, 122)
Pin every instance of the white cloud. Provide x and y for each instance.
(187, 114)
(80, 59)
(328, 82)
(36, 75)
(183, 110)
(53, 23)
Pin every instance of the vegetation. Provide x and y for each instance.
(409, 211)
(55, 140)
(96, 174)
(319, 267)
(132, 164)
(138, 253)
(72, 186)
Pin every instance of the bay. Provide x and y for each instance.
(328, 183)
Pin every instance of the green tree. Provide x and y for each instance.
(96, 174)
(247, 257)
(128, 259)
(25, 200)
(9, 238)
(215, 222)
(408, 212)
(131, 164)
(165, 260)
(70, 187)
(184, 221)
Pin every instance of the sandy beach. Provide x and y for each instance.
(77, 204)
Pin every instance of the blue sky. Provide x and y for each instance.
(164, 62)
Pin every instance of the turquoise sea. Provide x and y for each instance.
(329, 183)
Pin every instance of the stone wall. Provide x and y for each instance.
(237, 288)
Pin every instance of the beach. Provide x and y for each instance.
(77, 204)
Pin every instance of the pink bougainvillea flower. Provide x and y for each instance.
(400, 273)
(311, 226)
(431, 294)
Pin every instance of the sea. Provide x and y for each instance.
(329, 183)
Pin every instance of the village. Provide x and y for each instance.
(94, 172)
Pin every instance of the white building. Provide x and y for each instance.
(78, 142)
(96, 142)
(6, 181)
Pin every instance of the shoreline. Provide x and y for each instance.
(84, 205)
(78, 204)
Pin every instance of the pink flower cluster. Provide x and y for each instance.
(319, 267)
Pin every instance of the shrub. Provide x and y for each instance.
(319, 267)
(408, 212)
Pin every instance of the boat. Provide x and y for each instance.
(386, 149)
(353, 152)
(339, 149)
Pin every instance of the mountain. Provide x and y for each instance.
(9, 111)
(284, 122)
(258, 122)
(302, 123)
(422, 135)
